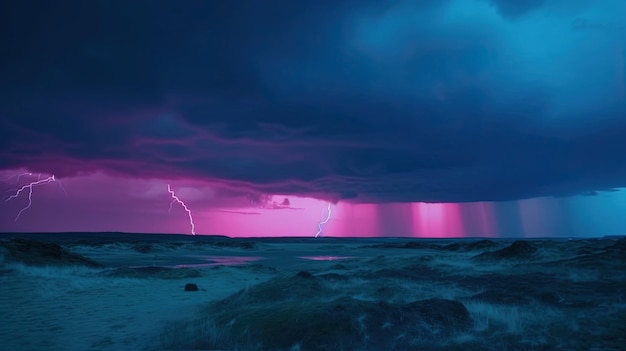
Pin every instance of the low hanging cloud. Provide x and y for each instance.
(367, 101)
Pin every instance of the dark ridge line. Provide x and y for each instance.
(108, 235)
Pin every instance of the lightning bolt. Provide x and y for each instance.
(20, 175)
(321, 224)
(30, 186)
(176, 199)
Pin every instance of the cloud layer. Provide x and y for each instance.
(370, 101)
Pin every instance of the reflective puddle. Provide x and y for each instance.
(326, 258)
(221, 261)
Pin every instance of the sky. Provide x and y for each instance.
(433, 118)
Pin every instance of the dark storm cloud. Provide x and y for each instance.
(515, 8)
(362, 100)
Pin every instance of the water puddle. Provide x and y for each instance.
(220, 261)
(326, 258)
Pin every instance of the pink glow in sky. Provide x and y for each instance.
(437, 220)
(99, 202)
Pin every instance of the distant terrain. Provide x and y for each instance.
(112, 291)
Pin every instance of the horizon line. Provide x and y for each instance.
(311, 237)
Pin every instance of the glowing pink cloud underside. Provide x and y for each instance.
(100, 202)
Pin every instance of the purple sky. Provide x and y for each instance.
(97, 202)
(505, 116)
